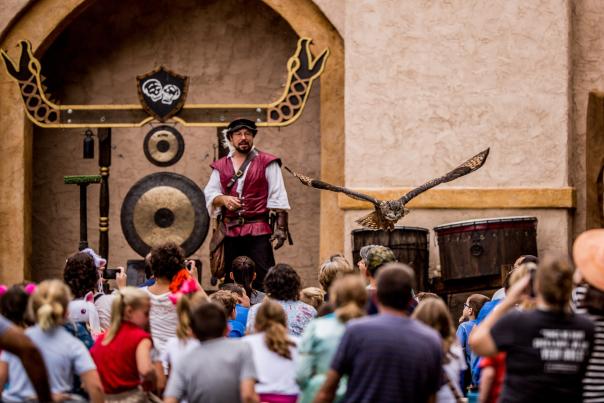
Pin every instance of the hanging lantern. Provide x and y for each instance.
(88, 145)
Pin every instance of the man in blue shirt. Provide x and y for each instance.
(387, 357)
(471, 309)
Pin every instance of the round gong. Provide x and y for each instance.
(164, 207)
(163, 146)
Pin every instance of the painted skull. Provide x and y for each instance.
(153, 89)
(171, 94)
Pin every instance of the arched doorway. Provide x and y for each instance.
(42, 24)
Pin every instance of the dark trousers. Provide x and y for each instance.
(258, 248)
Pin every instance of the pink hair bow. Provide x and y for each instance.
(188, 286)
(3, 289)
(30, 288)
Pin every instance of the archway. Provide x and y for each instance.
(43, 21)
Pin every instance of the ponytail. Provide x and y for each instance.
(127, 296)
(349, 311)
(49, 304)
(272, 320)
(186, 303)
(349, 295)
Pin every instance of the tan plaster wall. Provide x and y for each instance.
(335, 11)
(233, 51)
(429, 84)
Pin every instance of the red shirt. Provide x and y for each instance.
(498, 363)
(116, 362)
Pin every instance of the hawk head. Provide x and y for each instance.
(393, 210)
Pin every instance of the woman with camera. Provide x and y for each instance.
(547, 347)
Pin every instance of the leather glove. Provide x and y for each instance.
(281, 233)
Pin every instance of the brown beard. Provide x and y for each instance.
(243, 151)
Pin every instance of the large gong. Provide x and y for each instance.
(164, 207)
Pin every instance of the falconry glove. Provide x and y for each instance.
(281, 230)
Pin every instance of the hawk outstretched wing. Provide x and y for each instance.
(318, 184)
(467, 167)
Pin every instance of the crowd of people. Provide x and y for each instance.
(364, 335)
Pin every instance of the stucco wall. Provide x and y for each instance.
(431, 83)
(233, 52)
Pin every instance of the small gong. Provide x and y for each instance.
(164, 146)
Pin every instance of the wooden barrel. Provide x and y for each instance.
(484, 248)
(409, 244)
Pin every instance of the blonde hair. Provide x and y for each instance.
(127, 296)
(349, 296)
(434, 313)
(272, 320)
(312, 296)
(48, 304)
(518, 273)
(333, 268)
(184, 306)
(226, 299)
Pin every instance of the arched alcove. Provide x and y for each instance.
(232, 51)
(43, 22)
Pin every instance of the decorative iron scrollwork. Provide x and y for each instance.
(303, 70)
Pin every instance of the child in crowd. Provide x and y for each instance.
(243, 302)
(176, 347)
(123, 354)
(168, 267)
(63, 354)
(81, 276)
(332, 268)
(312, 296)
(243, 272)
(13, 306)
(275, 355)
(217, 369)
(434, 313)
(282, 284)
(228, 300)
(322, 336)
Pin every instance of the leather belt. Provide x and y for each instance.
(231, 222)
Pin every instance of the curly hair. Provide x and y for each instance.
(166, 260)
(226, 299)
(282, 283)
(80, 274)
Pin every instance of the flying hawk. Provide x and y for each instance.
(388, 212)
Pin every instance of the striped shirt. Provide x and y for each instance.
(593, 382)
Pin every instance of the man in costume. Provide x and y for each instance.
(244, 189)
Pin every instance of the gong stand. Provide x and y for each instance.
(104, 135)
(82, 181)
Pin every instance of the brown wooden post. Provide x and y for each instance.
(104, 135)
(594, 161)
